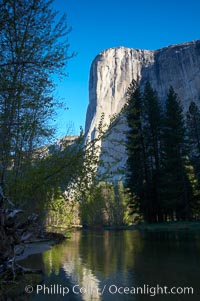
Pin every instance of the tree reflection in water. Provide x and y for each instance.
(122, 258)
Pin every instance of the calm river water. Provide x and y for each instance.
(114, 265)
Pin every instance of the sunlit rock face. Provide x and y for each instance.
(112, 72)
(110, 75)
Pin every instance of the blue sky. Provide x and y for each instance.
(97, 25)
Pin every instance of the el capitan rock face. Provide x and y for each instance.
(111, 74)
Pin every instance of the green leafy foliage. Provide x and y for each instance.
(106, 204)
(46, 178)
(33, 46)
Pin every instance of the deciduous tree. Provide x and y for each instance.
(33, 47)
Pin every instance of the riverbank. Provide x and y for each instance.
(54, 238)
(171, 226)
(167, 226)
(42, 245)
(35, 248)
(8, 287)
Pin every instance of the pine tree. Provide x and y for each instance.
(175, 182)
(152, 136)
(137, 178)
(193, 133)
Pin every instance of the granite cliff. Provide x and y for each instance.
(111, 73)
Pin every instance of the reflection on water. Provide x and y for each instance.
(97, 261)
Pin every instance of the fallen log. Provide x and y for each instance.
(27, 270)
(14, 232)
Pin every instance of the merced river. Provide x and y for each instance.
(119, 265)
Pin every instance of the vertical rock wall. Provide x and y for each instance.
(111, 73)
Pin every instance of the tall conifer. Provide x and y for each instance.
(137, 178)
(193, 132)
(152, 134)
(175, 181)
